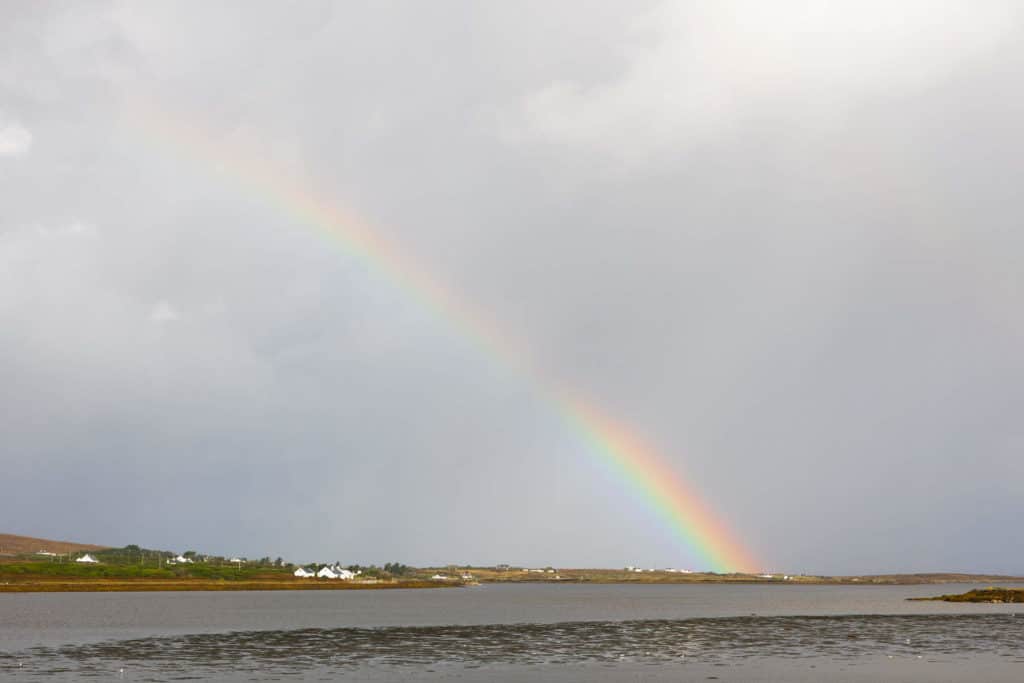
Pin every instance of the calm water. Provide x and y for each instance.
(514, 633)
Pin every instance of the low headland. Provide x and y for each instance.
(672, 576)
(991, 595)
(38, 565)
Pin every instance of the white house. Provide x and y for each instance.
(88, 559)
(345, 574)
(303, 574)
(326, 573)
(181, 559)
(439, 577)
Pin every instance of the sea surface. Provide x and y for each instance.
(524, 632)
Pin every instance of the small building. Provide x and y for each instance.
(439, 577)
(326, 573)
(87, 559)
(302, 573)
(181, 559)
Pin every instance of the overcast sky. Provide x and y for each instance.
(782, 241)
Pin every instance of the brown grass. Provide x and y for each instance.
(64, 585)
(994, 595)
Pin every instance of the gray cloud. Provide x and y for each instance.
(781, 245)
(698, 70)
(15, 139)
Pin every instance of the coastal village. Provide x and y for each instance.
(191, 562)
(37, 564)
(353, 573)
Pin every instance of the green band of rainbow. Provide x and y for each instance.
(638, 466)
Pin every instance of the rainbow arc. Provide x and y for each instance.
(637, 465)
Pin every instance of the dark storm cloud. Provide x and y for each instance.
(780, 243)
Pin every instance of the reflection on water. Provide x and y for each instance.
(261, 655)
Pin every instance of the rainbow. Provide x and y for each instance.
(638, 465)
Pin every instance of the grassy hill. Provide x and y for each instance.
(12, 545)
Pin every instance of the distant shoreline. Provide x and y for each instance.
(37, 565)
(661, 577)
(48, 584)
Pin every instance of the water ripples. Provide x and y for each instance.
(267, 654)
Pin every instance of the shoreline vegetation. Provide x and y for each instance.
(38, 565)
(27, 577)
(991, 595)
(99, 585)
